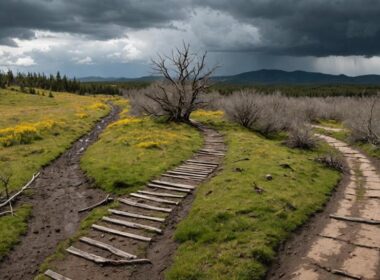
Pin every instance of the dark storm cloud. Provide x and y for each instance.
(286, 27)
(309, 27)
(100, 19)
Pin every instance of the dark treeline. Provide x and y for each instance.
(54, 83)
(303, 90)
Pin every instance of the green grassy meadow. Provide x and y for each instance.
(34, 130)
(233, 231)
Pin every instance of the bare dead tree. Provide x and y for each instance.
(186, 77)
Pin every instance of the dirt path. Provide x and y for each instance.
(175, 186)
(331, 248)
(58, 193)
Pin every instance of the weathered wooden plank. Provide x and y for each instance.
(107, 247)
(176, 185)
(192, 171)
(168, 188)
(175, 176)
(55, 275)
(202, 162)
(355, 219)
(100, 260)
(198, 168)
(137, 216)
(162, 194)
(122, 233)
(151, 198)
(187, 174)
(144, 206)
(131, 224)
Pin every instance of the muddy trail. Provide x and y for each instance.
(342, 242)
(136, 241)
(57, 194)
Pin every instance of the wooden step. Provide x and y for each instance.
(55, 275)
(137, 216)
(162, 194)
(131, 224)
(187, 174)
(107, 247)
(202, 162)
(150, 185)
(100, 260)
(155, 199)
(176, 185)
(144, 206)
(122, 233)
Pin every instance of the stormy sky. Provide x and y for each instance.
(118, 37)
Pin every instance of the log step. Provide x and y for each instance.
(202, 162)
(144, 206)
(54, 275)
(100, 260)
(187, 174)
(122, 233)
(133, 215)
(147, 197)
(175, 176)
(162, 194)
(355, 219)
(168, 188)
(131, 224)
(176, 185)
(107, 247)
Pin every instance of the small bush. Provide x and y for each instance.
(302, 137)
(331, 160)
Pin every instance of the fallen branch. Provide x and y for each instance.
(338, 272)
(350, 242)
(355, 219)
(104, 201)
(5, 213)
(9, 200)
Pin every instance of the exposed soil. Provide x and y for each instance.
(325, 244)
(162, 247)
(57, 194)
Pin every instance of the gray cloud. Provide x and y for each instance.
(286, 27)
(309, 27)
(96, 18)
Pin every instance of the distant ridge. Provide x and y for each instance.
(268, 77)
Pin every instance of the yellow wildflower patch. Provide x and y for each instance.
(204, 113)
(25, 133)
(126, 121)
(98, 106)
(82, 115)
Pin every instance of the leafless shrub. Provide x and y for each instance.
(243, 108)
(364, 121)
(332, 160)
(301, 136)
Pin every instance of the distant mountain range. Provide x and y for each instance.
(267, 77)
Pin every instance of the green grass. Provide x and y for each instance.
(53, 123)
(232, 232)
(11, 227)
(134, 150)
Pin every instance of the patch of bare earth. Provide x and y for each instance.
(57, 194)
(343, 242)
